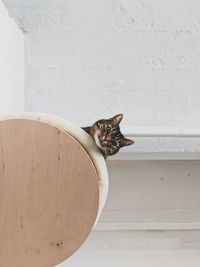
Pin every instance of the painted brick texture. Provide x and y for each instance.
(90, 59)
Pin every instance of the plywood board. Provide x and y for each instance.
(49, 194)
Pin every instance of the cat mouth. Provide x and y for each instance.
(104, 143)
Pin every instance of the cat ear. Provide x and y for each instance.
(127, 142)
(116, 119)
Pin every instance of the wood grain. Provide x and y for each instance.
(49, 194)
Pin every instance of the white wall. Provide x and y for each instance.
(138, 57)
(135, 258)
(11, 65)
(92, 59)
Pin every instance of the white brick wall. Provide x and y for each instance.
(103, 57)
(91, 59)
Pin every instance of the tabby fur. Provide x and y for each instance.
(107, 135)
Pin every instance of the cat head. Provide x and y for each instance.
(107, 135)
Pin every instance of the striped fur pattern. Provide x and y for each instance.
(107, 135)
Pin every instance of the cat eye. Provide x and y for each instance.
(114, 143)
(108, 129)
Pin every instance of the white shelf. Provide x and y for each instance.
(162, 131)
(146, 226)
(156, 156)
(161, 143)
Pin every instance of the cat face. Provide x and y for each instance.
(108, 137)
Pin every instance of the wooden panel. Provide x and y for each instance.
(49, 194)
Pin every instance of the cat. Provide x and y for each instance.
(107, 136)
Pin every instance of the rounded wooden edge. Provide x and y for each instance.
(83, 138)
(11, 137)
